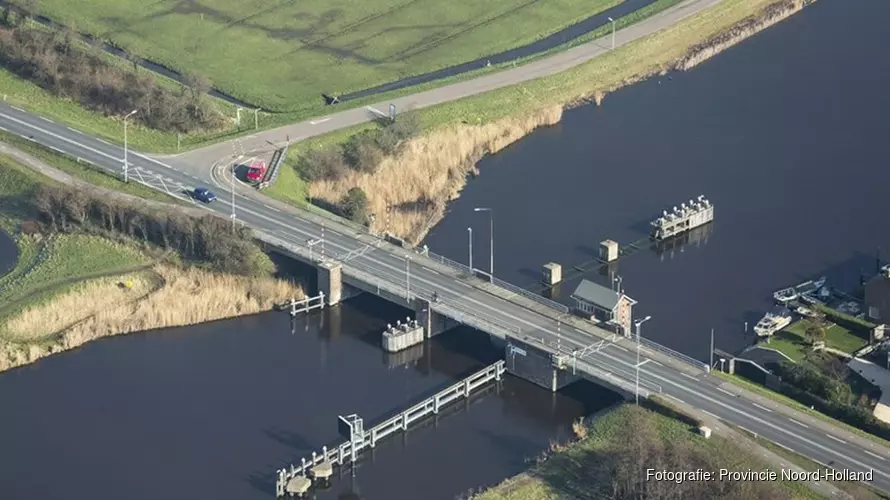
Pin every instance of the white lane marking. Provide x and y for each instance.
(724, 391)
(433, 271)
(45, 119)
(706, 412)
(643, 363)
(65, 139)
(657, 363)
(829, 436)
(688, 376)
(102, 140)
(799, 423)
(764, 408)
(778, 428)
(316, 122)
(271, 208)
(18, 109)
(676, 398)
(616, 346)
(56, 149)
(749, 431)
(75, 130)
(4, 129)
(874, 455)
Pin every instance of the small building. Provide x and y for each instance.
(877, 297)
(605, 305)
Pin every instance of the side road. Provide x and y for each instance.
(200, 160)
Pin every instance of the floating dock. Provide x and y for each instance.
(697, 213)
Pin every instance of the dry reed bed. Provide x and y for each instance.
(433, 169)
(187, 296)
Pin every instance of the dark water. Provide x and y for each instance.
(785, 133)
(212, 411)
(9, 253)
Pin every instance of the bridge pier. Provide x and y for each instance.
(432, 322)
(530, 362)
(330, 282)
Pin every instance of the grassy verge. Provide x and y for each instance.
(859, 491)
(792, 340)
(785, 400)
(621, 445)
(84, 171)
(24, 94)
(282, 56)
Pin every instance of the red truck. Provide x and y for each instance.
(256, 171)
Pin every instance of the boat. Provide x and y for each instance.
(779, 317)
(795, 292)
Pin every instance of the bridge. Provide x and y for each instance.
(558, 347)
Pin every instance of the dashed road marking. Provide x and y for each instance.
(829, 436)
(45, 119)
(764, 408)
(799, 423)
(688, 376)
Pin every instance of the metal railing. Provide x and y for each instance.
(530, 295)
(448, 262)
(674, 354)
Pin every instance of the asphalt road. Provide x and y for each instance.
(266, 140)
(795, 430)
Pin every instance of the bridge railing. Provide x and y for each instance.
(529, 295)
(674, 354)
(448, 262)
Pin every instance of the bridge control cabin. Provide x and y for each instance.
(604, 305)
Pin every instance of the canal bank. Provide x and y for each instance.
(9, 253)
(212, 410)
(781, 133)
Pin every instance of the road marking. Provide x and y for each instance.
(616, 346)
(761, 407)
(799, 423)
(102, 140)
(75, 130)
(706, 412)
(271, 208)
(643, 363)
(45, 119)
(18, 109)
(874, 455)
(829, 436)
(434, 271)
(464, 284)
(316, 122)
(657, 363)
(4, 129)
(724, 391)
(56, 149)
(675, 397)
(688, 376)
(749, 431)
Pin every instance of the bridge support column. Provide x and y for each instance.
(330, 281)
(432, 322)
(536, 365)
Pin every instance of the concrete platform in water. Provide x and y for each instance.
(298, 485)
(698, 213)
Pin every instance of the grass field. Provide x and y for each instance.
(792, 340)
(583, 469)
(283, 55)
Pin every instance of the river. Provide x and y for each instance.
(211, 411)
(785, 133)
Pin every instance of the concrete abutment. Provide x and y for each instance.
(536, 365)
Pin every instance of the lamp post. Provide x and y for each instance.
(613, 32)
(407, 278)
(491, 235)
(637, 324)
(233, 198)
(310, 244)
(618, 281)
(126, 165)
(470, 232)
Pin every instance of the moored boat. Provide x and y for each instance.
(773, 321)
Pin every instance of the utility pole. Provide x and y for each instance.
(407, 278)
(711, 365)
(637, 324)
(126, 163)
(491, 235)
(613, 32)
(233, 198)
(470, 231)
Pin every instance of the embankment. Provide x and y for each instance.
(163, 297)
(414, 188)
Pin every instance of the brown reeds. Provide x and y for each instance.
(409, 192)
(186, 297)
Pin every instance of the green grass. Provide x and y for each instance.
(792, 340)
(791, 403)
(24, 94)
(605, 437)
(859, 491)
(283, 55)
(84, 171)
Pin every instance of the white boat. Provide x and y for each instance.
(795, 292)
(772, 322)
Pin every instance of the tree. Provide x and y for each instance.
(814, 332)
(323, 164)
(363, 153)
(355, 205)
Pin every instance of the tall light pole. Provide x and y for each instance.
(233, 198)
(712, 351)
(470, 231)
(637, 324)
(126, 164)
(613, 32)
(491, 235)
(618, 281)
(407, 278)
(311, 243)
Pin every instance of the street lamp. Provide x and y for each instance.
(126, 166)
(470, 232)
(619, 281)
(310, 244)
(407, 278)
(613, 32)
(491, 235)
(637, 324)
(233, 198)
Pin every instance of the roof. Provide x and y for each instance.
(597, 294)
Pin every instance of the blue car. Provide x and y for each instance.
(204, 194)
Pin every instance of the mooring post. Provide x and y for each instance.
(303, 465)
(324, 453)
